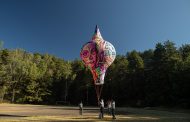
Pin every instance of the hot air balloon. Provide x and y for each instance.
(98, 55)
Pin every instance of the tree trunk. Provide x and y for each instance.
(66, 91)
(87, 95)
(2, 95)
(13, 96)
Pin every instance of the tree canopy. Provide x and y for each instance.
(154, 77)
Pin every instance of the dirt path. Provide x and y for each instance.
(43, 113)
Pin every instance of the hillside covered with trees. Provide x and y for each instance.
(154, 77)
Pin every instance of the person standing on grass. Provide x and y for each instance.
(109, 107)
(80, 108)
(113, 109)
(101, 109)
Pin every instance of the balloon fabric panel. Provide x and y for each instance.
(98, 55)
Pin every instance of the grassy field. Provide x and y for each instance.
(43, 113)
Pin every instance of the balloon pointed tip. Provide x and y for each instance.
(96, 29)
(97, 34)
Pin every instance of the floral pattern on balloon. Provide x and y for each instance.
(98, 55)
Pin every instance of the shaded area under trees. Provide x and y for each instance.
(154, 77)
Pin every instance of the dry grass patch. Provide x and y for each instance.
(44, 113)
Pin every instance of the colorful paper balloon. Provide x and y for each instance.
(98, 55)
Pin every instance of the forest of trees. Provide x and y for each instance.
(155, 77)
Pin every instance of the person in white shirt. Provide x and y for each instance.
(113, 109)
(102, 108)
(109, 107)
(80, 108)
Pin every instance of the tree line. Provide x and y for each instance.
(154, 77)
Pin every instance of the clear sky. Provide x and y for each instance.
(61, 27)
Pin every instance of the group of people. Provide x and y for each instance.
(110, 107)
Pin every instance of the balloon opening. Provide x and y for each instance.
(100, 79)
